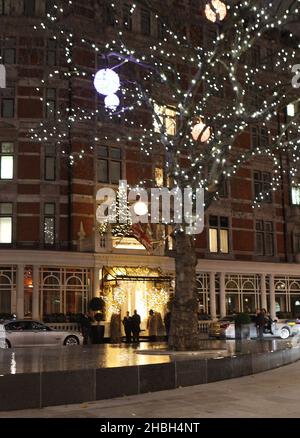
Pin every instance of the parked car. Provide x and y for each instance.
(29, 333)
(224, 328)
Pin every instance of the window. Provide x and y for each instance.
(29, 8)
(6, 213)
(291, 110)
(255, 56)
(6, 160)
(264, 238)
(50, 163)
(219, 234)
(145, 22)
(262, 186)
(161, 27)
(296, 195)
(52, 52)
(223, 189)
(127, 17)
(50, 110)
(167, 117)
(8, 48)
(109, 165)
(110, 16)
(259, 137)
(297, 244)
(159, 176)
(270, 59)
(8, 103)
(4, 5)
(49, 224)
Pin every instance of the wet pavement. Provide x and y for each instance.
(36, 360)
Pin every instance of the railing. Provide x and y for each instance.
(204, 326)
(65, 326)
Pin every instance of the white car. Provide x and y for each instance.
(29, 333)
(225, 328)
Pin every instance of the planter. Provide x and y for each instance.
(242, 331)
(97, 334)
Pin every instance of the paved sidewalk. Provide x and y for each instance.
(274, 393)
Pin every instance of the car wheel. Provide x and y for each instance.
(71, 340)
(284, 333)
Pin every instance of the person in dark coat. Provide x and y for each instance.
(260, 323)
(127, 322)
(136, 323)
(167, 322)
(86, 327)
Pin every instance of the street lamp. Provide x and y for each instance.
(215, 11)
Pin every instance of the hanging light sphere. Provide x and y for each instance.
(112, 102)
(200, 129)
(215, 10)
(140, 208)
(107, 82)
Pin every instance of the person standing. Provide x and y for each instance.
(86, 327)
(152, 326)
(167, 322)
(260, 323)
(127, 322)
(136, 323)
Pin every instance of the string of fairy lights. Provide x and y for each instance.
(216, 89)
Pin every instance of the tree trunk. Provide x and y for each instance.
(184, 321)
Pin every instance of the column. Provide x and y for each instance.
(212, 295)
(20, 291)
(263, 291)
(272, 298)
(222, 295)
(36, 293)
(96, 282)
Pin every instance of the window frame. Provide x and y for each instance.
(218, 227)
(260, 185)
(261, 229)
(109, 159)
(8, 216)
(51, 216)
(8, 154)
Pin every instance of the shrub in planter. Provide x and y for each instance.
(242, 326)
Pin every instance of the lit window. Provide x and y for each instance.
(291, 110)
(296, 195)
(167, 117)
(6, 211)
(49, 224)
(6, 161)
(159, 176)
(218, 234)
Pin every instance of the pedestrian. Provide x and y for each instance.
(86, 327)
(152, 326)
(167, 322)
(260, 323)
(127, 323)
(136, 326)
(268, 321)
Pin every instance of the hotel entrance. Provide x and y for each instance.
(141, 289)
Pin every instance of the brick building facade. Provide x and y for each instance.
(52, 259)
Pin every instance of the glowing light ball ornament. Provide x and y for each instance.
(112, 102)
(215, 11)
(202, 131)
(140, 208)
(107, 82)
